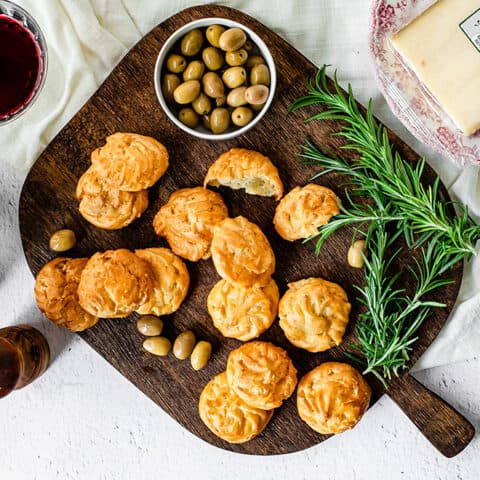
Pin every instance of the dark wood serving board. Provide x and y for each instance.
(127, 102)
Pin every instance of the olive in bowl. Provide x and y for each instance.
(215, 78)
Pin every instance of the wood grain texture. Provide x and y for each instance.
(127, 102)
(441, 424)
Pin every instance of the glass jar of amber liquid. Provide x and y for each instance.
(24, 356)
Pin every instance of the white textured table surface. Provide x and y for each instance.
(83, 420)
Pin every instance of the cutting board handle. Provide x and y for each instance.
(443, 426)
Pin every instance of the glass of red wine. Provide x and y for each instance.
(23, 61)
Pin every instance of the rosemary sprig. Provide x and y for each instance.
(386, 330)
(380, 169)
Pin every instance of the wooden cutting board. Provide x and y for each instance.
(127, 102)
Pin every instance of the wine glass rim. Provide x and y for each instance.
(19, 14)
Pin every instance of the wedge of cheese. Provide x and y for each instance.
(442, 46)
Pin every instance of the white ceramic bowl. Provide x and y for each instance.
(200, 131)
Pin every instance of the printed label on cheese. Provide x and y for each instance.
(471, 28)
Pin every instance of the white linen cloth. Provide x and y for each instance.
(87, 38)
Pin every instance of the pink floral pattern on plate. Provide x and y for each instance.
(405, 94)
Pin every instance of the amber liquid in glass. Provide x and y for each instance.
(9, 367)
(24, 356)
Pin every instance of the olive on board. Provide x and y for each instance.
(202, 104)
(169, 84)
(186, 92)
(213, 34)
(183, 345)
(219, 120)
(236, 58)
(150, 326)
(213, 85)
(241, 116)
(188, 117)
(176, 63)
(233, 77)
(201, 355)
(232, 39)
(212, 58)
(63, 240)
(354, 255)
(192, 43)
(194, 71)
(260, 75)
(157, 346)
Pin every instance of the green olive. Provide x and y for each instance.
(188, 117)
(192, 43)
(241, 116)
(219, 120)
(170, 83)
(213, 85)
(157, 345)
(202, 104)
(256, 94)
(187, 92)
(255, 60)
(183, 345)
(237, 57)
(355, 254)
(206, 122)
(232, 39)
(63, 240)
(213, 34)
(221, 101)
(201, 355)
(260, 75)
(257, 108)
(233, 77)
(236, 97)
(194, 71)
(248, 46)
(150, 326)
(213, 58)
(176, 63)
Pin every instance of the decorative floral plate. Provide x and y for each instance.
(409, 100)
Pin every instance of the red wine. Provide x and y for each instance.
(20, 65)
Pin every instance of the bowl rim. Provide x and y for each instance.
(202, 22)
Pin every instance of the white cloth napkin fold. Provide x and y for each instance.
(87, 38)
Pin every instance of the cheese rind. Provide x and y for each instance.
(445, 59)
